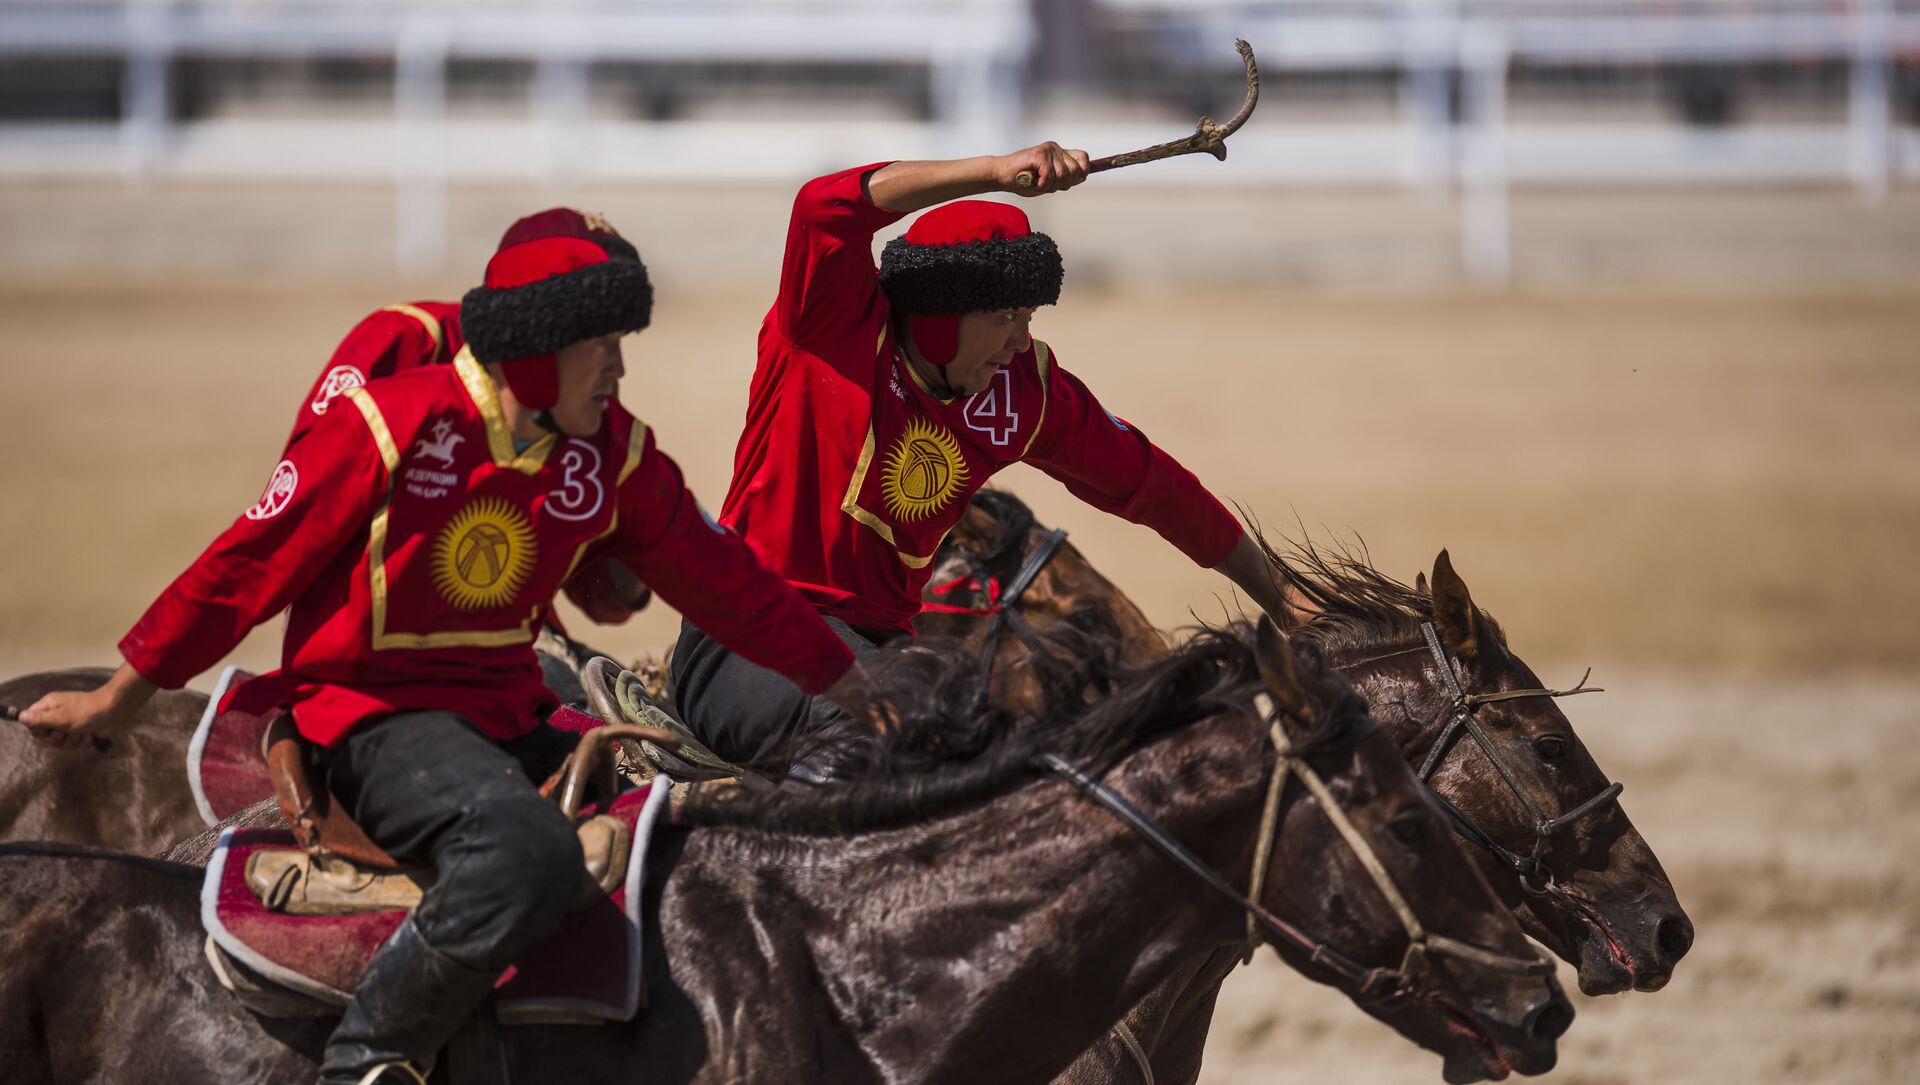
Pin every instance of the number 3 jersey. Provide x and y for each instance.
(850, 471)
(417, 549)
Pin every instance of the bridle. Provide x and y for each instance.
(1365, 984)
(1000, 600)
(1535, 877)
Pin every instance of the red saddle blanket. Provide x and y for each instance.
(225, 765)
(588, 971)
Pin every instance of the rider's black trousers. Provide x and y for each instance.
(431, 789)
(745, 712)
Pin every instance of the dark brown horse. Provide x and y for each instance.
(132, 796)
(1596, 895)
(981, 923)
(1542, 817)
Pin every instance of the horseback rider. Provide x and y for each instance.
(884, 397)
(418, 531)
(403, 337)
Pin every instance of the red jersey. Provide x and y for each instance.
(418, 550)
(851, 471)
(401, 338)
(392, 340)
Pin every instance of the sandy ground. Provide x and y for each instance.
(1712, 495)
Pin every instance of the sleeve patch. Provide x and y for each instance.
(279, 492)
(339, 380)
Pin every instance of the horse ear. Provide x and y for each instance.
(1280, 671)
(1454, 616)
(1420, 584)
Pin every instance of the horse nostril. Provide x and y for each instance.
(1551, 1019)
(1674, 936)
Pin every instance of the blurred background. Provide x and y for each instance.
(1619, 301)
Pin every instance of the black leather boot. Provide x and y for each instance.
(411, 999)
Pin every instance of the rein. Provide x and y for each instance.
(1532, 869)
(1364, 983)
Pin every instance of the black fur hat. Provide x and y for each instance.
(544, 294)
(970, 256)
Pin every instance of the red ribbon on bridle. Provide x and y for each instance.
(966, 583)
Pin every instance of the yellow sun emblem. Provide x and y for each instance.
(483, 555)
(924, 470)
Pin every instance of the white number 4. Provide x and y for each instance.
(990, 410)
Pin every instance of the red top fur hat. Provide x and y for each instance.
(968, 256)
(559, 277)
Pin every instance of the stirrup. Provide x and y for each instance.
(617, 695)
(374, 1075)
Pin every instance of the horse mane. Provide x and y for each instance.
(1361, 609)
(952, 747)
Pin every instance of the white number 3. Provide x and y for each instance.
(581, 492)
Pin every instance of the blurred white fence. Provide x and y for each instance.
(1450, 66)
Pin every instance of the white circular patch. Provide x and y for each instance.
(280, 489)
(339, 380)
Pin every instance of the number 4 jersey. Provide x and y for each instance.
(851, 471)
(418, 548)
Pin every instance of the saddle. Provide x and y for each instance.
(290, 936)
(293, 916)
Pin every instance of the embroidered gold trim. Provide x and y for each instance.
(850, 503)
(377, 422)
(1043, 363)
(377, 557)
(851, 506)
(636, 449)
(479, 385)
(426, 320)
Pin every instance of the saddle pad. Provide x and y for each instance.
(586, 972)
(224, 764)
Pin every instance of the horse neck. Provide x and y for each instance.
(1000, 943)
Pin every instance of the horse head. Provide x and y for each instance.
(1543, 820)
(977, 594)
(1362, 857)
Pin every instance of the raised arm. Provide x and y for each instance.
(905, 187)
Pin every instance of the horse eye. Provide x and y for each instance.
(1550, 747)
(1410, 830)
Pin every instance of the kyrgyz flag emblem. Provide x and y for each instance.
(483, 555)
(924, 470)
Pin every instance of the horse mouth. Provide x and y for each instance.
(1606, 966)
(1475, 1055)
